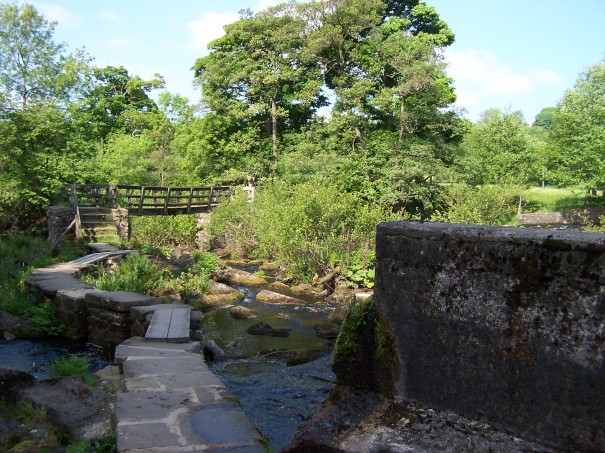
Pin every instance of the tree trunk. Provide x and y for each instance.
(274, 134)
(401, 119)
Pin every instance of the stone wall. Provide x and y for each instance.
(501, 324)
(122, 221)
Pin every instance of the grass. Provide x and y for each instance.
(73, 365)
(552, 199)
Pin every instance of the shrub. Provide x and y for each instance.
(159, 231)
(73, 365)
(136, 273)
(313, 227)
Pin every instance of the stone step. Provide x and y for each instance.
(174, 403)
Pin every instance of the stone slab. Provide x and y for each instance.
(51, 282)
(121, 301)
(144, 435)
(222, 425)
(137, 347)
(200, 379)
(99, 247)
(72, 299)
(137, 367)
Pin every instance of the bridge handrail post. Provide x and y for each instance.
(167, 200)
(142, 198)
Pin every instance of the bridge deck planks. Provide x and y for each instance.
(169, 325)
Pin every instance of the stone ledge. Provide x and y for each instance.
(121, 301)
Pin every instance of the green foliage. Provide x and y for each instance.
(500, 150)
(162, 231)
(313, 226)
(205, 261)
(136, 273)
(577, 139)
(20, 254)
(361, 270)
(552, 199)
(73, 365)
(483, 205)
(43, 318)
(191, 283)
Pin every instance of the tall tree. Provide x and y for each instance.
(500, 149)
(577, 139)
(33, 67)
(258, 73)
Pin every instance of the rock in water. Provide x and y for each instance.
(271, 297)
(240, 312)
(239, 277)
(262, 328)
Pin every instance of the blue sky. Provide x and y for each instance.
(508, 54)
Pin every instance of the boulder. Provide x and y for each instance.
(280, 288)
(240, 312)
(83, 411)
(10, 379)
(238, 277)
(262, 328)
(327, 330)
(338, 314)
(219, 295)
(341, 296)
(213, 352)
(307, 293)
(272, 297)
(16, 326)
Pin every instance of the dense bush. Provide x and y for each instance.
(135, 273)
(161, 231)
(313, 227)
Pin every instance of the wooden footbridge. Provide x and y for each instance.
(94, 205)
(147, 200)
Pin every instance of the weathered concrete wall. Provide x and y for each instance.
(499, 323)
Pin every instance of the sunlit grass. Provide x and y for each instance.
(552, 199)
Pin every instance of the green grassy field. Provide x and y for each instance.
(550, 199)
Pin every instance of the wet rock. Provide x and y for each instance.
(338, 314)
(240, 312)
(9, 336)
(279, 287)
(109, 378)
(219, 295)
(262, 328)
(185, 261)
(272, 297)
(238, 277)
(213, 352)
(307, 293)
(83, 411)
(341, 296)
(10, 379)
(364, 296)
(16, 326)
(327, 330)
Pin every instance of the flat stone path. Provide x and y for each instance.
(173, 403)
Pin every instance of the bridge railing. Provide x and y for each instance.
(147, 200)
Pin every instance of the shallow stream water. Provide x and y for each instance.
(34, 357)
(275, 397)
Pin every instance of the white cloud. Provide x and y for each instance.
(56, 13)
(208, 28)
(483, 80)
(108, 15)
(487, 74)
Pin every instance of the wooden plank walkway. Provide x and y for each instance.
(170, 325)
